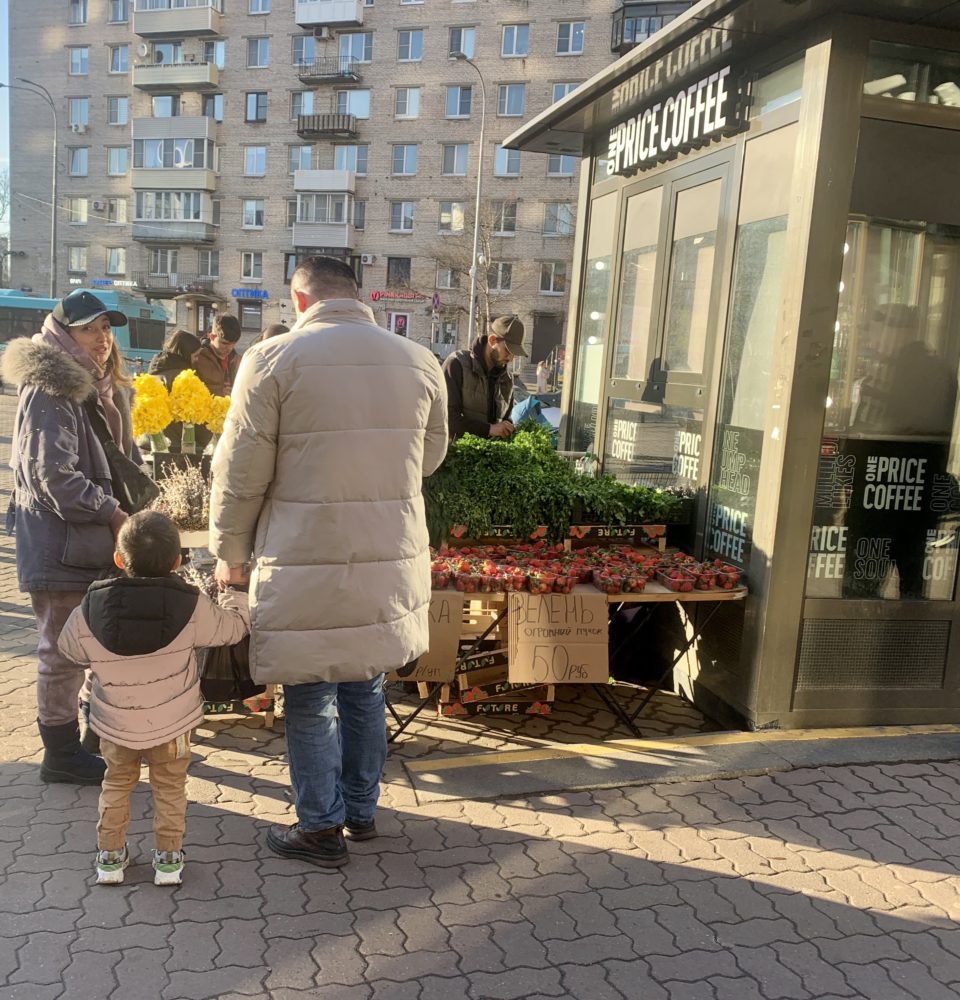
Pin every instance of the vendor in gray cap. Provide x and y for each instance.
(479, 385)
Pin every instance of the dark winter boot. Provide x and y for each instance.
(90, 741)
(64, 760)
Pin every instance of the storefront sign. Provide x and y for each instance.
(106, 283)
(557, 638)
(733, 494)
(686, 119)
(439, 663)
(249, 293)
(376, 296)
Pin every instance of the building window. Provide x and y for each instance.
(290, 263)
(118, 110)
(352, 158)
(163, 261)
(407, 102)
(119, 11)
(559, 218)
(553, 277)
(78, 161)
(251, 266)
(504, 218)
(117, 160)
(500, 276)
(451, 217)
(304, 50)
(117, 211)
(398, 271)
(259, 6)
(215, 208)
(463, 40)
(208, 263)
(454, 159)
(79, 108)
(356, 47)
(561, 165)
(515, 41)
(258, 53)
(77, 259)
(79, 60)
(251, 315)
(256, 106)
(177, 154)
(506, 162)
(118, 59)
(447, 277)
(511, 98)
(401, 216)
(212, 106)
(166, 106)
(254, 161)
(301, 158)
(168, 206)
(353, 102)
(253, 213)
(570, 38)
(459, 101)
(410, 45)
(77, 211)
(398, 323)
(214, 51)
(291, 212)
(359, 215)
(404, 161)
(324, 208)
(560, 90)
(78, 11)
(116, 260)
(301, 103)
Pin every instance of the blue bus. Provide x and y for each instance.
(22, 316)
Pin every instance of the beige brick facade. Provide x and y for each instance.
(410, 49)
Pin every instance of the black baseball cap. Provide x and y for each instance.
(510, 330)
(82, 307)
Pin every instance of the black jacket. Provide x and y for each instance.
(476, 398)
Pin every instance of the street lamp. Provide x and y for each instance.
(472, 322)
(40, 91)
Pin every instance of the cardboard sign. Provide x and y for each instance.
(439, 663)
(557, 638)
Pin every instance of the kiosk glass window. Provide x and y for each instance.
(752, 325)
(638, 271)
(591, 339)
(887, 503)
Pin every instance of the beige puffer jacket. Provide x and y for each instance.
(139, 638)
(317, 477)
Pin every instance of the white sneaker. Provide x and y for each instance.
(110, 866)
(167, 867)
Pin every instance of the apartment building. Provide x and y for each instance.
(205, 145)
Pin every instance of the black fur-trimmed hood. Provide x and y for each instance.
(25, 362)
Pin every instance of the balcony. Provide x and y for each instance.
(325, 181)
(324, 237)
(174, 231)
(331, 68)
(318, 13)
(177, 127)
(169, 77)
(177, 17)
(634, 23)
(173, 179)
(331, 126)
(167, 286)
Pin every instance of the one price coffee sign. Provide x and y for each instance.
(557, 638)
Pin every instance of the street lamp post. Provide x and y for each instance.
(472, 321)
(40, 91)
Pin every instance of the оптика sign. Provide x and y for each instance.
(691, 117)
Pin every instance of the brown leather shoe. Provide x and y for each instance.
(325, 848)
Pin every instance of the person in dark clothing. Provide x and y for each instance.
(273, 330)
(479, 386)
(216, 364)
(180, 353)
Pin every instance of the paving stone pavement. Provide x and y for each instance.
(827, 883)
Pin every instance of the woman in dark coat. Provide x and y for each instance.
(179, 354)
(63, 511)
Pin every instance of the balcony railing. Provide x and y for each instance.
(176, 76)
(322, 236)
(174, 231)
(327, 126)
(180, 17)
(329, 68)
(317, 13)
(634, 23)
(172, 283)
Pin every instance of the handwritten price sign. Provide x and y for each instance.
(438, 664)
(557, 638)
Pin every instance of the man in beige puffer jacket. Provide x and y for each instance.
(317, 479)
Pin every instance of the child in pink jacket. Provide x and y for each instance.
(139, 634)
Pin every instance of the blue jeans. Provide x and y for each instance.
(335, 769)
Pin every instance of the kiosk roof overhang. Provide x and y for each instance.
(701, 37)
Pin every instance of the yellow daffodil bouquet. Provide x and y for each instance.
(218, 413)
(151, 411)
(191, 402)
